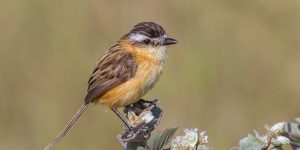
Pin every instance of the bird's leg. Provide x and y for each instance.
(122, 118)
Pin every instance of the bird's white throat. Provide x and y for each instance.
(160, 52)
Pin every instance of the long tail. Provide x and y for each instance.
(68, 127)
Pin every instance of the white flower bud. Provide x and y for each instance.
(280, 140)
(278, 127)
(147, 116)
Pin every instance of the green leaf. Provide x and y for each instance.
(159, 140)
(251, 143)
(153, 139)
(166, 137)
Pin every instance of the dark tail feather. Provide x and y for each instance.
(68, 127)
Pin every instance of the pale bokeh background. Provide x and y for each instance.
(236, 68)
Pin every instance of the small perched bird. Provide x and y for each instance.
(126, 72)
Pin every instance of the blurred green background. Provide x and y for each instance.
(235, 69)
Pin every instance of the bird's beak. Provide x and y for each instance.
(169, 41)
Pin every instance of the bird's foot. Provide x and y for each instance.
(140, 106)
(147, 103)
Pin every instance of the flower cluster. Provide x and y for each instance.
(192, 140)
(273, 135)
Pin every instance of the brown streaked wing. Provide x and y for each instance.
(114, 68)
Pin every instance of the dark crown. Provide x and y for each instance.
(149, 29)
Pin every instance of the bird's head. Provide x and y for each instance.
(151, 37)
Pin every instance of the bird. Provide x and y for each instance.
(126, 72)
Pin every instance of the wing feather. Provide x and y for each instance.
(114, 68)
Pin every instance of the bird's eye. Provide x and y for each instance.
(146, 41)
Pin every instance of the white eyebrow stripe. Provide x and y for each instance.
(138, 37)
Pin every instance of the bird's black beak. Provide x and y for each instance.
(169, 41)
